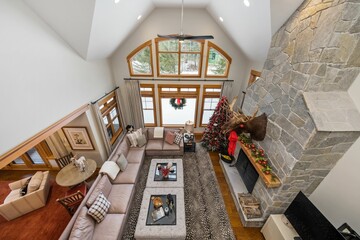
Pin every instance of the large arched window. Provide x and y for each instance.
(179, 58)
(217, 62)
(140, 61)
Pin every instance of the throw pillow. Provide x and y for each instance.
(110, 168)
(24, 188)
(170, 137)
(132, 139)
(138, 132)
(178, 138)
(35, 182)
(99, 208)
(122, 162)
(141, 140)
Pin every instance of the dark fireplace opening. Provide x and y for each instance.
(247, 171)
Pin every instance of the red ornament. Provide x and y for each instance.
(242, 125)
(178, 101)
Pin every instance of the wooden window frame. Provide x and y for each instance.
(133, 53)
(208, 95)
(179, 52)
(152, 95)
(224, 54)
(45, 153)
(105, 111)
(178, 94)
(253, 75)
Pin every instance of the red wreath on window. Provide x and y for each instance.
(178, 103)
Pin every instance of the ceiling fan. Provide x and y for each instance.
(182, 36)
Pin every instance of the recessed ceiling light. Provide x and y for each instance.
(221, 19)
(138, 18)
(246, 3)
(116, 1)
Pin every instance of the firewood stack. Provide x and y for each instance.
(250, 205)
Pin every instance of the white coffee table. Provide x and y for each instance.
(167, 183)
(162, 232)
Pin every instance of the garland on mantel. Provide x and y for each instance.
(178, 103)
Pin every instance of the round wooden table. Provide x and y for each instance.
(71, 176)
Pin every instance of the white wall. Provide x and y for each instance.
(41, 78)
(196, 22)
(338, 195)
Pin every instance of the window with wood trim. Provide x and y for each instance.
(217, 62)
(35, 158)
(178, 104)
(147, 93)
(211, 96)
(254, 75)
(111, 116)
(179, 58)
(140, 61)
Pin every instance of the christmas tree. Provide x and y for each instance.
(214, 139)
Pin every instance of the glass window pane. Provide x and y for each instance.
(213, 90)
(187, 89)
(105, 120)
(179, 116)
(35, 156)
(149, 116)
(169, 89)
(109, 131)
(113, 113)
(146, 89)
(206, 116)
(147, 102)
(190, 46)
(217, 64)
(18, 161)
(141, 62)
(110, 100)
(169, 46)
(168, 63)
(190, 64)
(116, 124)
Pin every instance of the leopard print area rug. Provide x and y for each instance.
(205, 213)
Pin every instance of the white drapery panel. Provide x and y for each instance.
(226, 90)
(134, 103)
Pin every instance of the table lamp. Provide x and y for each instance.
(189, 126)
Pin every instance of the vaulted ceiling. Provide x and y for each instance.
(95, 28)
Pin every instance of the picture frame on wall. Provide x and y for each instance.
(78, 138)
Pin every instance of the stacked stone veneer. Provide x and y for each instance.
(317, 50)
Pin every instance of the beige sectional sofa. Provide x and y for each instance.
(15, 205)
(119, 191)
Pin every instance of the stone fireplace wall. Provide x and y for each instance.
(316, 50)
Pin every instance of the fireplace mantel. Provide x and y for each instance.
(269, 180)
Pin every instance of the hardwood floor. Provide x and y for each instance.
(241, 233)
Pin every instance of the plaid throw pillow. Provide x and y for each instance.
(99, 208)
(178, 138)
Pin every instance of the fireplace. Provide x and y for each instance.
(247, 171)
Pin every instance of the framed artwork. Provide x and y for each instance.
(78, 137)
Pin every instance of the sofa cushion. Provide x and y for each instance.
(122, 163)
(13, 195)
(110, 227)
(178, 138)
(110, 168)
(123, 148)
(170, 147)
(150, 133)
(35, 182)
(155, 144)
(83, 227)
(135, 155)
(141, 140)
(99, 208)
(104, 186)
(170, 137)
(128, 176)
(120, 197)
